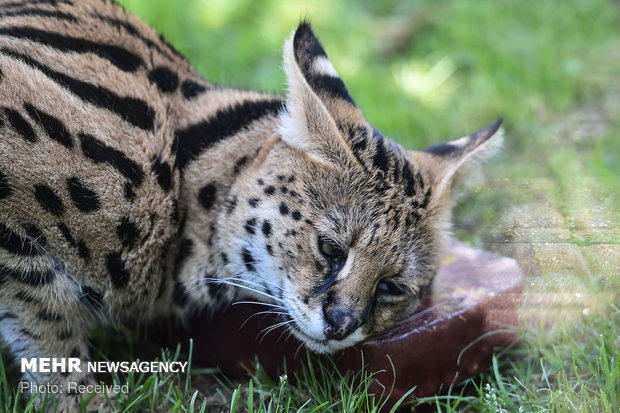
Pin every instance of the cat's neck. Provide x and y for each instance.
(240, 133)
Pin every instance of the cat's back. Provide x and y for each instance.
(88, 96)
(90, 58)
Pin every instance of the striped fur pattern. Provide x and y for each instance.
(131, 187)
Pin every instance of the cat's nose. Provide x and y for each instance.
(339, 323)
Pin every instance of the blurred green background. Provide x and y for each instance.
(421, 70)
(429, 71)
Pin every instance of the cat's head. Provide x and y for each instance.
(347, 227)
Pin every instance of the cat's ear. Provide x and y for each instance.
(446, 163)
(318, 106)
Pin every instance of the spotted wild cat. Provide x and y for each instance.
(132, 187)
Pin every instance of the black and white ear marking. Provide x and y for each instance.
(445, 162)
(318, 104)
(478, 144)
(315, 66)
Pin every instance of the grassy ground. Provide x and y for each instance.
(428, 71)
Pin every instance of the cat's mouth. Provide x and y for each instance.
(318, 345)
(318, 342)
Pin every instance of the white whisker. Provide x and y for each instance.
(288, 333)
(236, 282)
(260, 303)
(240, 280)
(263, 312)
(298, 349)
(269, 329)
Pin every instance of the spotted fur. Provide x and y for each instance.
(130, 186)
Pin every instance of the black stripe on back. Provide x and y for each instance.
(98, 152)
(170, 47)
(131, 29)
(29, 3)
(20, 124)
(192, 89)
(165, 79)
(40, 13)
(119, 57)
(135, 111)
(189, 143)
(54, 128)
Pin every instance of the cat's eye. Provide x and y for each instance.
(329, 249)
(389, 287)
(333, 253)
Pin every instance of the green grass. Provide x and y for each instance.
(423, 72)
(325, 391)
